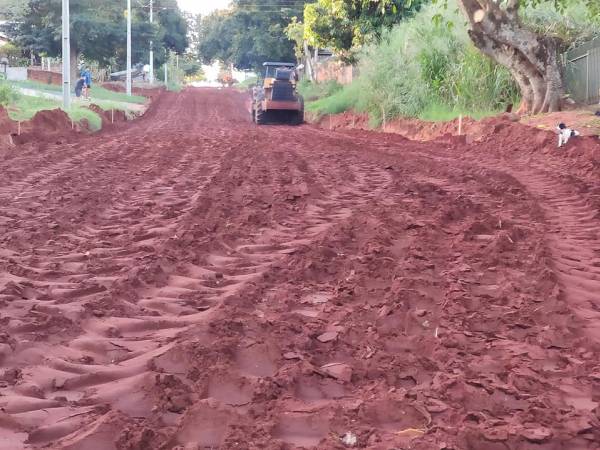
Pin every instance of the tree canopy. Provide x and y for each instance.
(249, 33)
(98, 29)
(343, 25)
(532, 54)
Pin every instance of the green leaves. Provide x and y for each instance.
(345, 25)
(98, 28)
(251, 32)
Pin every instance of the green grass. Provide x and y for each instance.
(247, 84)
(97, 92)
(315, 91)
(78, 114)
(443, 113)
(174, 87)
(344, 98)
(25, 107)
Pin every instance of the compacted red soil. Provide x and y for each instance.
(193, 281)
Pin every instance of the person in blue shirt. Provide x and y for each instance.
(87, 77)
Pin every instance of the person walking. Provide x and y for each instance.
(87, 76)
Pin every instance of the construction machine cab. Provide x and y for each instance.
(278, 71)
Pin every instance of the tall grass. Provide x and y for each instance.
(313, 91)
(421, 68)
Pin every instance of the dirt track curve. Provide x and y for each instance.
(192, 281)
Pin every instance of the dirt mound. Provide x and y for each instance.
(48, 126)
(109, 117)
(501, 135)
(55, 120)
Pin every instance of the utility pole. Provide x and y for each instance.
(151, 45)
(167, 70)
(66, 55)
(129, 47)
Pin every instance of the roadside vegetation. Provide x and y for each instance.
(423, 67)
(98, 93)
(428, 67)
(247, 83)
(23, 107)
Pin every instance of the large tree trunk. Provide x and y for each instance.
(533, 60)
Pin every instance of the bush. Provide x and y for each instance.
(8, 94)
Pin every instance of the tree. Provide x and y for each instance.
(10, 9)
(249, 33)
(533, 58)
(344, 25)
(173, 25)
(98, 30)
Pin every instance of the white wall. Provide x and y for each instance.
(17, 73)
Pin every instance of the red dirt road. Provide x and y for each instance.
(192, 281)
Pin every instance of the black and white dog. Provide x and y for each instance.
(565, 133)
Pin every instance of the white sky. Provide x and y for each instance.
(202, 6)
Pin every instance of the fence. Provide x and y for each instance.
(332, 69)
(43, 76)
(582, 72)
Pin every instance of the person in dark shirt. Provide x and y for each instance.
(79, 86)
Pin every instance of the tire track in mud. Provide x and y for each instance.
(545, 313)
(574, 241)
(69, 289)
(228, 286)
(107, 360)
(79, 285)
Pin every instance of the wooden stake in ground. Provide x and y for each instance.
(460, 125)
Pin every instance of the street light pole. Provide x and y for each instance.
(167, 69)
(151, 45)
(129, 47)
(66, 55)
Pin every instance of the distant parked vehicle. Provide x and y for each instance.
(137, 71)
